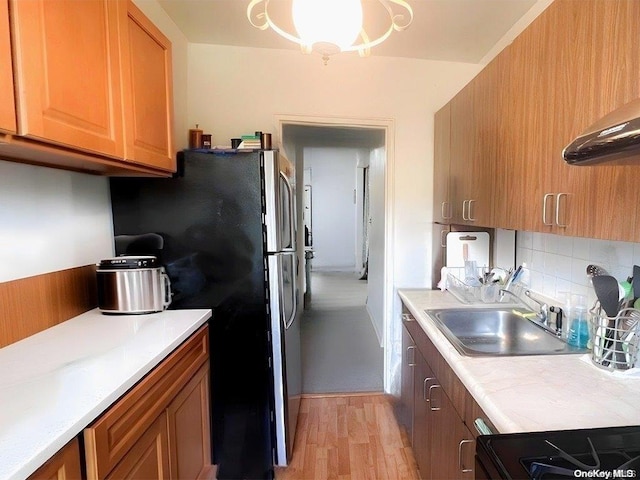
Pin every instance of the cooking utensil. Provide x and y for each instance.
(596, 271)
(635, 282)
(607, 292)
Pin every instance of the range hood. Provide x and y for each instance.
(614, 139)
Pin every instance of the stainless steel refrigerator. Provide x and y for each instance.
(228, 226)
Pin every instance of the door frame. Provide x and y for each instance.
(388, 125)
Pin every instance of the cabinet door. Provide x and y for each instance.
(148, 90)
(423, 422)
(189, 431)
(68, 73)
(405, 408)
(149, 456)
(441, 160)
(452, 446)
(462, 144)
(64, 465)
(7, 103)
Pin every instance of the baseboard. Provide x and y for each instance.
(343, 394)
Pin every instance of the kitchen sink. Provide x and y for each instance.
(498, 332)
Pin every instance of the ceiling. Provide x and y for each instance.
(446, 30)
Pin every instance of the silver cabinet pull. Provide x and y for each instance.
(460, 463)
(558, 198)
(445, 211)
(412, 362)
(424, 388)
(471, 217)
(544, 209)
(443, 238)
(433, 409)
(464, 209)
(407, 317)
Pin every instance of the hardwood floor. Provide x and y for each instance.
(351, 437)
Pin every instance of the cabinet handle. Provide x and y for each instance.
(443, 238)
(445, 211)
(464, 209)
(460, 463)
(471, 217)
(433, 409)
(558, 197)
(412, 362)
(424, 388)
(407, 317)
(544, 209)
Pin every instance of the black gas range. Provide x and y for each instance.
(590, 453)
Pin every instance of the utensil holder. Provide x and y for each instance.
(615, 340)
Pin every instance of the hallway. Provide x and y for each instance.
(340, 349)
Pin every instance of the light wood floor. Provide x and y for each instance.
(353, 437)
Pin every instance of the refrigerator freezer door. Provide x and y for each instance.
(279, 205)
(285, 331)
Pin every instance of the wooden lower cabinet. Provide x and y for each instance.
(405, 409)
(189, 429)
(160, 429)
(149, 456)
(422, 417)
(443, 413)
(452, 446)
(64, 465)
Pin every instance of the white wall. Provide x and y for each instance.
(333, 212)
(51, 220)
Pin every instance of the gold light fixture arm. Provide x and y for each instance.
(398, 22)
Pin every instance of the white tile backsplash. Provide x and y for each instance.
(558, 264)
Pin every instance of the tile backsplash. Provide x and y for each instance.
(558, 264)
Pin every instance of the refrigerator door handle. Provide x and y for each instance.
(294, 310)
(292, 217)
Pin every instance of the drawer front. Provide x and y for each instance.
(110, 437)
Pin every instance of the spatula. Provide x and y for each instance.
(635, 282)
(607, 292)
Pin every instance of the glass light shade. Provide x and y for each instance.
(336, 22)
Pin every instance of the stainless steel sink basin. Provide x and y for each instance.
(498, 331)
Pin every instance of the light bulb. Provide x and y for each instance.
(336, 22)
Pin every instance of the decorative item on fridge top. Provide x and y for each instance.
(250, 142)
(195, 137)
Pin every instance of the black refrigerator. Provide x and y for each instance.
(228, 227)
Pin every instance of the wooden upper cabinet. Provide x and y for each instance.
(7, 99)
(441, 161)
(148, 95)
(66, 56)
(470, 166)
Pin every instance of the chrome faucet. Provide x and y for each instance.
(543, 314)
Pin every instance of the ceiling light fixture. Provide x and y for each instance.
(328, 27)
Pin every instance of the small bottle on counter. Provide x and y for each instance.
(579, 327)
(206, 140)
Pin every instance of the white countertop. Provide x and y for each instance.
(53, 384)
(533, 393)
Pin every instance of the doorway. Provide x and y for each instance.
(347, 295)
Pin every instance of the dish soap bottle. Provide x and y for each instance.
(579, 328)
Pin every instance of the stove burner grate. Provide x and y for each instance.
(564, 465)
